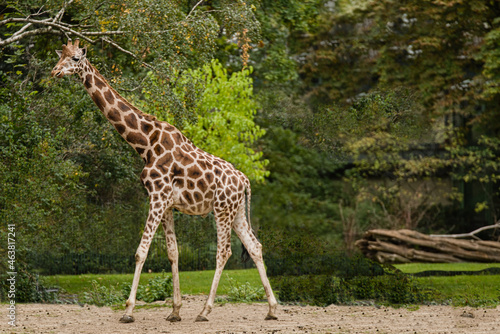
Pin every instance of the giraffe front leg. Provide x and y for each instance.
(223, 254)
(173, 257)
(140, 257)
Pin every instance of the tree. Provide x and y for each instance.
(442, 52)
(157, 31)
(214, 110)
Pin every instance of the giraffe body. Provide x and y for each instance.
(177, 175)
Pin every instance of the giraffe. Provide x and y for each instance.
(177, 175)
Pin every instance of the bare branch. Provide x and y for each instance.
(103, 33)
(192, 10)
(107, 40)
(20, 31)
(61, 12)
(28, 33)
(50, 25)
(468, 235)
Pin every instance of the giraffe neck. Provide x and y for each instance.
(131, 123)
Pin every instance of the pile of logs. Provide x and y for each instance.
(403, 246)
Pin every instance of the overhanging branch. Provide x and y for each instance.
(468, 235)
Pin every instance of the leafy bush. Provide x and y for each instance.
(29, 288)
(158, 288)
(244, 292)
(328, 289)
(100, 295)
(343, 279)
(303, 260)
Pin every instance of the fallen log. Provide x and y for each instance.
(403, 246)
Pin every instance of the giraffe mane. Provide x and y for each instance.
(130, 105)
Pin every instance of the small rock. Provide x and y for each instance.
(467, 314)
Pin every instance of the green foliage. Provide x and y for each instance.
(243, 292)
(395, 288)
(158, 288)
(282, 22)
(28, 287)
(464, 290)
(218, 113)
(324, 279)
(192, 282)
(101, 295)
(362, 48)
(479, 290)
(299, 195)
(378, 114)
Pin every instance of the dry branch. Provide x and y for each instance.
(402, 246)
(470, 234)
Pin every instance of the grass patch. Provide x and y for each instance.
(412, 268)
(461, 290)
(192, 282)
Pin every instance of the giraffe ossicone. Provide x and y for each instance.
(177, 175)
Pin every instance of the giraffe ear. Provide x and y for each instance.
(59, 53)
(84, 52)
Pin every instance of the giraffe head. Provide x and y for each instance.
(71, 59)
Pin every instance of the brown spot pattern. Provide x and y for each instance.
(123, 106)
(88, 81)
(154, 137)
(146, 127)
(131, 121)
(182, 157)
(177, 171)
(167, 141)
(164, 162)
(98, 100)
(114, 115)
(99, 83)
(194, 172)
(201, 185)
(158, 150)
(120, 128)
(135, 138)
(187, 196)
(108, 95)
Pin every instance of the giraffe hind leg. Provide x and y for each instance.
(223, 254)
(173, 257)
(254, 249)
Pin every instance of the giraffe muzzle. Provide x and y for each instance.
(57, 72)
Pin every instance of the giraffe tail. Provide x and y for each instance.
(245, 256)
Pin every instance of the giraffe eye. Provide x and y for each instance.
(75, 58)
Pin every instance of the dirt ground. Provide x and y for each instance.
(249, 318)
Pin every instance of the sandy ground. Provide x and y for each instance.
(249, 318)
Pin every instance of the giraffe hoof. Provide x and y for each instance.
(271, 317)
(200, 318)
(127, 318)
(173, 318)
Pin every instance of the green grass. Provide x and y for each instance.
(411, 268)
(192, 282)
(482, 290)
(460, 290)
